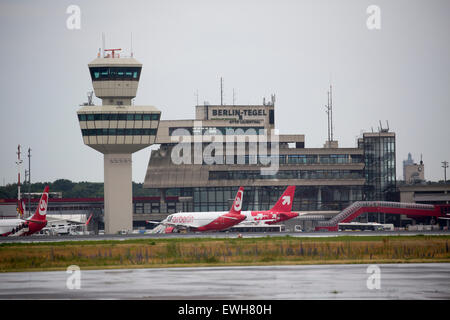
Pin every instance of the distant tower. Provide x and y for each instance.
(117, 129)
(413, 172)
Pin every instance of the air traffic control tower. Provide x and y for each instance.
(117, 129)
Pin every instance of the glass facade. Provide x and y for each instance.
(284, 159)
(204, 199)
(216, 130)
(379, 158)
(118, 116)
(286, 174)
(115, 73)
(118, 132)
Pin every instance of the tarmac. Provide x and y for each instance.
(354, 281)
(119, 237)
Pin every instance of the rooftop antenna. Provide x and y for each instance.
(221, 91)
(234, 97)
(196, 94)
(331, 113)
(327, 106)
(103, 44)
(383, 129)
(90, 95)
(131, 45)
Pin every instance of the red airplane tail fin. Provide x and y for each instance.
(89, 219)
(284, 204)
(41, 210)
(237, 203)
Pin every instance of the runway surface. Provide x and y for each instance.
(41, 238)
(397, 281)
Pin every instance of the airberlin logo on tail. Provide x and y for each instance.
(238, 201)
(286, 200)
(43, 204)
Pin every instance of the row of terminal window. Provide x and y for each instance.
(115, 73)
(188, 131)
(284, 159)
(119, 116)
(118, 132)
(287, 174)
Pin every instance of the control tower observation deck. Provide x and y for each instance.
(117, 129)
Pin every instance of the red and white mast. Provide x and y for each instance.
(19, 163)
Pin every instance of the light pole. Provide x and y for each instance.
(445, 166)
(29, 181)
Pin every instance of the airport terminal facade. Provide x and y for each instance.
(327, 179)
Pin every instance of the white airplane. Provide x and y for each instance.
(205, 221)
(20, 227)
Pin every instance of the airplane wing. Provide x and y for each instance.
(172, 224)
(37, 221)
(233, 218)
(258, 222)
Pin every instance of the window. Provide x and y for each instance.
(115, 73)
(271, 117)
(119, 132)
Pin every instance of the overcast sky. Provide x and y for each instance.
(399, 73)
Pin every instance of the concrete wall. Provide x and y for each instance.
(118, 193)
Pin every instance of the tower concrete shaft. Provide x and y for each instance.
(118, 192)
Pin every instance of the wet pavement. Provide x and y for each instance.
(218, 235)
(356, 281)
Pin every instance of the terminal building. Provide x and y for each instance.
(201, 162)
(327, 179)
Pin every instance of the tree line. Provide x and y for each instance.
(68, 188)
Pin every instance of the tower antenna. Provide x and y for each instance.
(331, 113)
(103, 44)
(221, 91)
(327, 106)
(131, 45)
